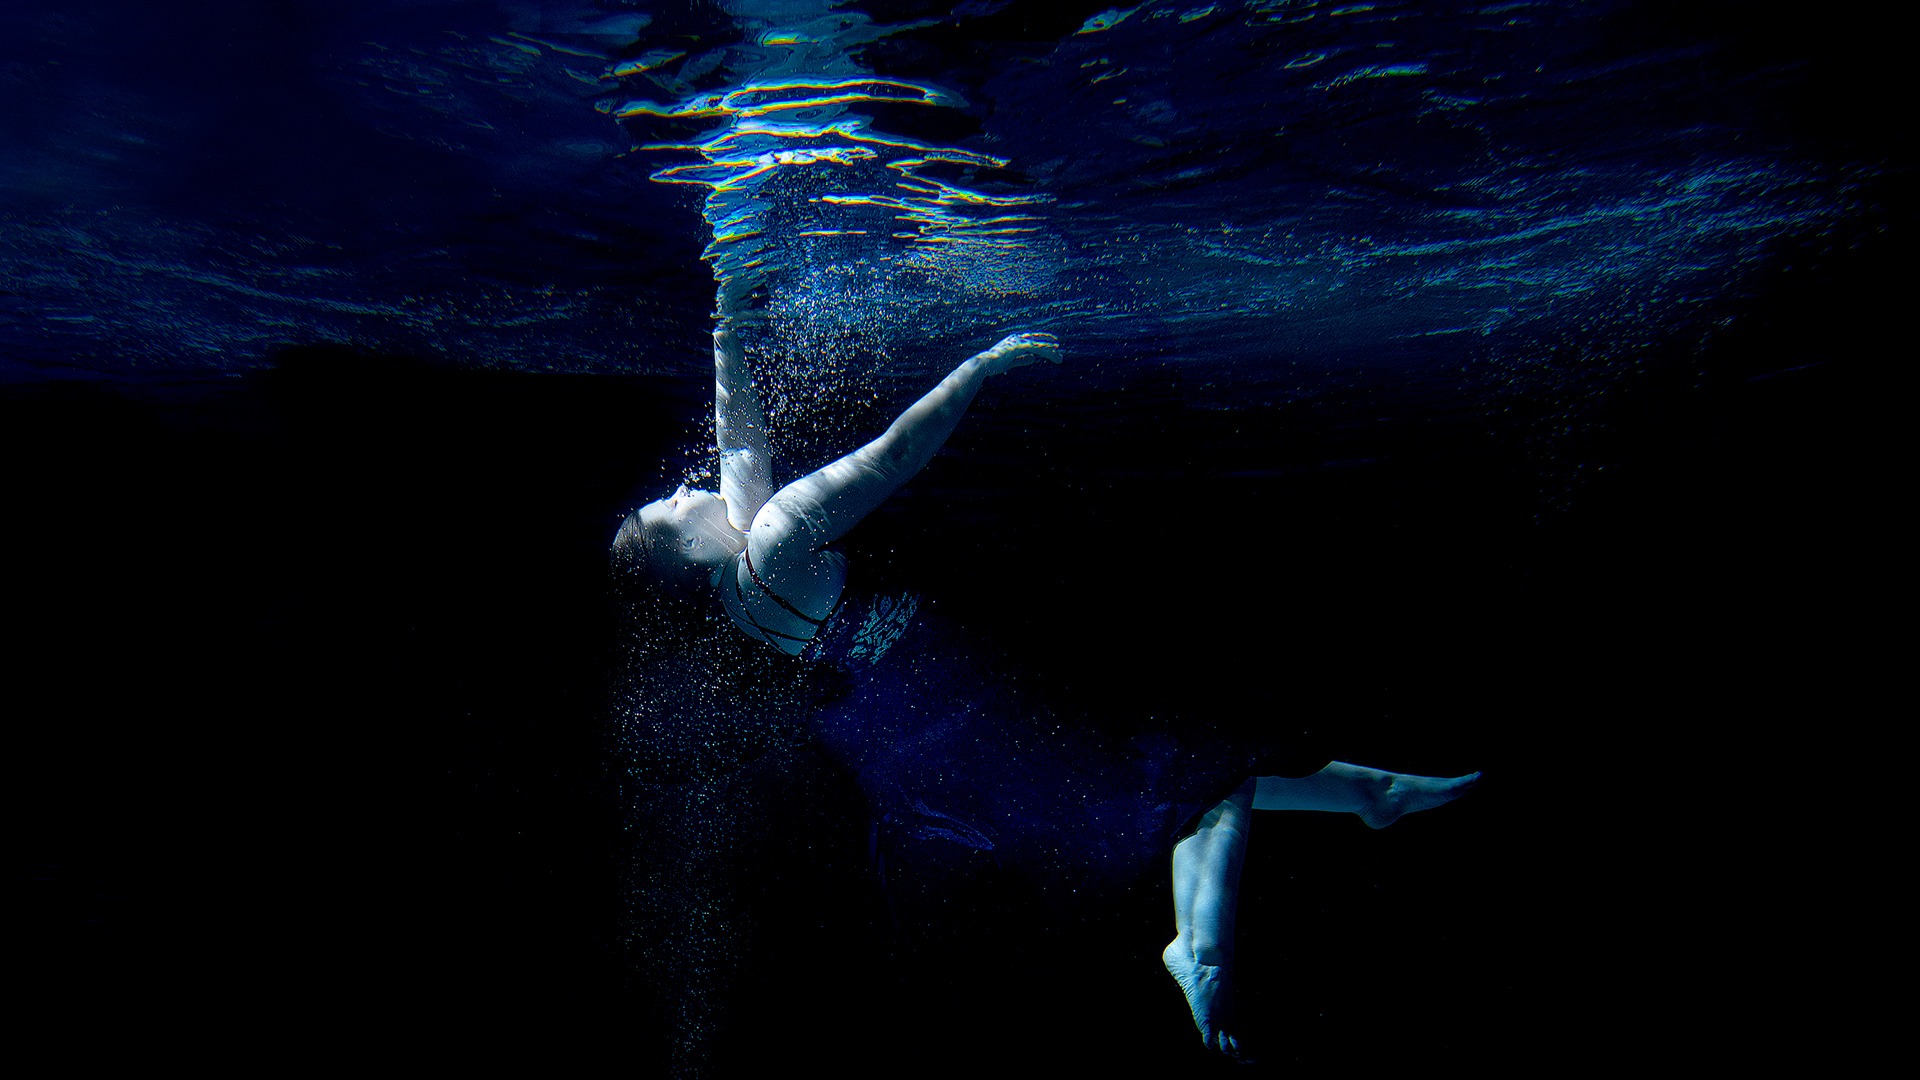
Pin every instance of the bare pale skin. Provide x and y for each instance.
(762, 553)
(1206, 872)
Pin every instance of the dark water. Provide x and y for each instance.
(1529, 354)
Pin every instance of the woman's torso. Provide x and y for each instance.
(785, 606)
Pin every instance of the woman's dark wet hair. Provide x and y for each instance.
(647, 553)
(688, 690)
(632, 549)
(654, 611)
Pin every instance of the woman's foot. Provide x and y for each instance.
(1391, 795)
(1206, 988)
(1379, 797)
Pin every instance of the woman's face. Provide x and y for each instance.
(693, 525)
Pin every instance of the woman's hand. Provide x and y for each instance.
(1019, 350)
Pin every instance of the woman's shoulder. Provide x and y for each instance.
(791, 515)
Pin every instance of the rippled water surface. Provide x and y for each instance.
(1262, 193)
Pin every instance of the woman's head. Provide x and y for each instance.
(679, 541)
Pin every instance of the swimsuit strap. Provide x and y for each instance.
(767, 634)
(747, 554)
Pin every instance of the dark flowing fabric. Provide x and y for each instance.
(963, 752)
(901, 759)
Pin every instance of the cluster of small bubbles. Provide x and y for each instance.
(823, 340)
(855, 229)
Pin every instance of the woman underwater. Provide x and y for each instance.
(752, 564)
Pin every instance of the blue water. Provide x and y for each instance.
(1383, 185)
(1520, 352)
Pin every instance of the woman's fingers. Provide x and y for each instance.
(1022, 349)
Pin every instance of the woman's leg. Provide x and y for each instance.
(1380, 798)
(1206, 887)
(1206, 869)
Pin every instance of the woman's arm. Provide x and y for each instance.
(821, 507)
(739, 426)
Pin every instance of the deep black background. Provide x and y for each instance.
(305, 677)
